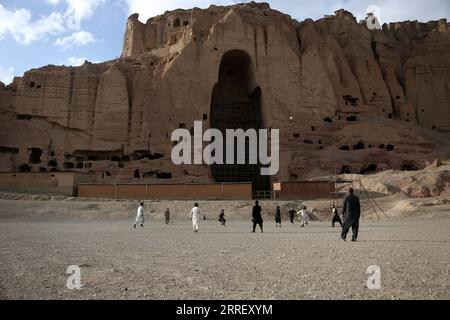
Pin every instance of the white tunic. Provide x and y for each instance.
(304, 215)
(195, 216)
(140, 215)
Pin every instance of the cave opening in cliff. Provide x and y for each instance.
(9, 150)
(371, 168)
(359, 146)
(349, 100)
(69, 165)
(163, 175)
(24, 168)
(236, 103)
(52, 163)
(346, 170)
(409, 166)
(35, 155)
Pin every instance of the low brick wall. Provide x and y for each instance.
(306, 190)
(213, 191)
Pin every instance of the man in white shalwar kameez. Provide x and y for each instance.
(195, 217)
(139, 216)
(303, 215)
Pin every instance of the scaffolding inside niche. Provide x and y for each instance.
(242, 114)
(236, 104)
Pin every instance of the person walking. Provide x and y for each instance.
(256, 217)
(167, 216)
(278, 217)
(351, 212)
(336, 217)
(140, 218)
(195, 217)
(222, 217)
(292, 215)
(304, 217)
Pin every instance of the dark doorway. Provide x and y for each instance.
(24, 168)
(236, 104)
(35, 155)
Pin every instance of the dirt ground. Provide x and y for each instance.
(171, 262)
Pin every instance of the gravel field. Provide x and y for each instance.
(171, 262)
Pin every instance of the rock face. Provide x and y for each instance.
(429, 182)
(344, 97)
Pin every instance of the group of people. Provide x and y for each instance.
(195, 217)
(140, 217)
(303, 216)
(351, 214)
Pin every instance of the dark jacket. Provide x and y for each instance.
(256, 214)
(351, 206)
(278, 215)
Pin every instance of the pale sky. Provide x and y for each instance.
(34, 33)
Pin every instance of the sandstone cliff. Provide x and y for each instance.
(346, 98)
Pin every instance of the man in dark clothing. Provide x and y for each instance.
(351, 213)
(336, 217)
(167, 216)
(222, 219)
(278, 217)
(256, 217)
(292, 215)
